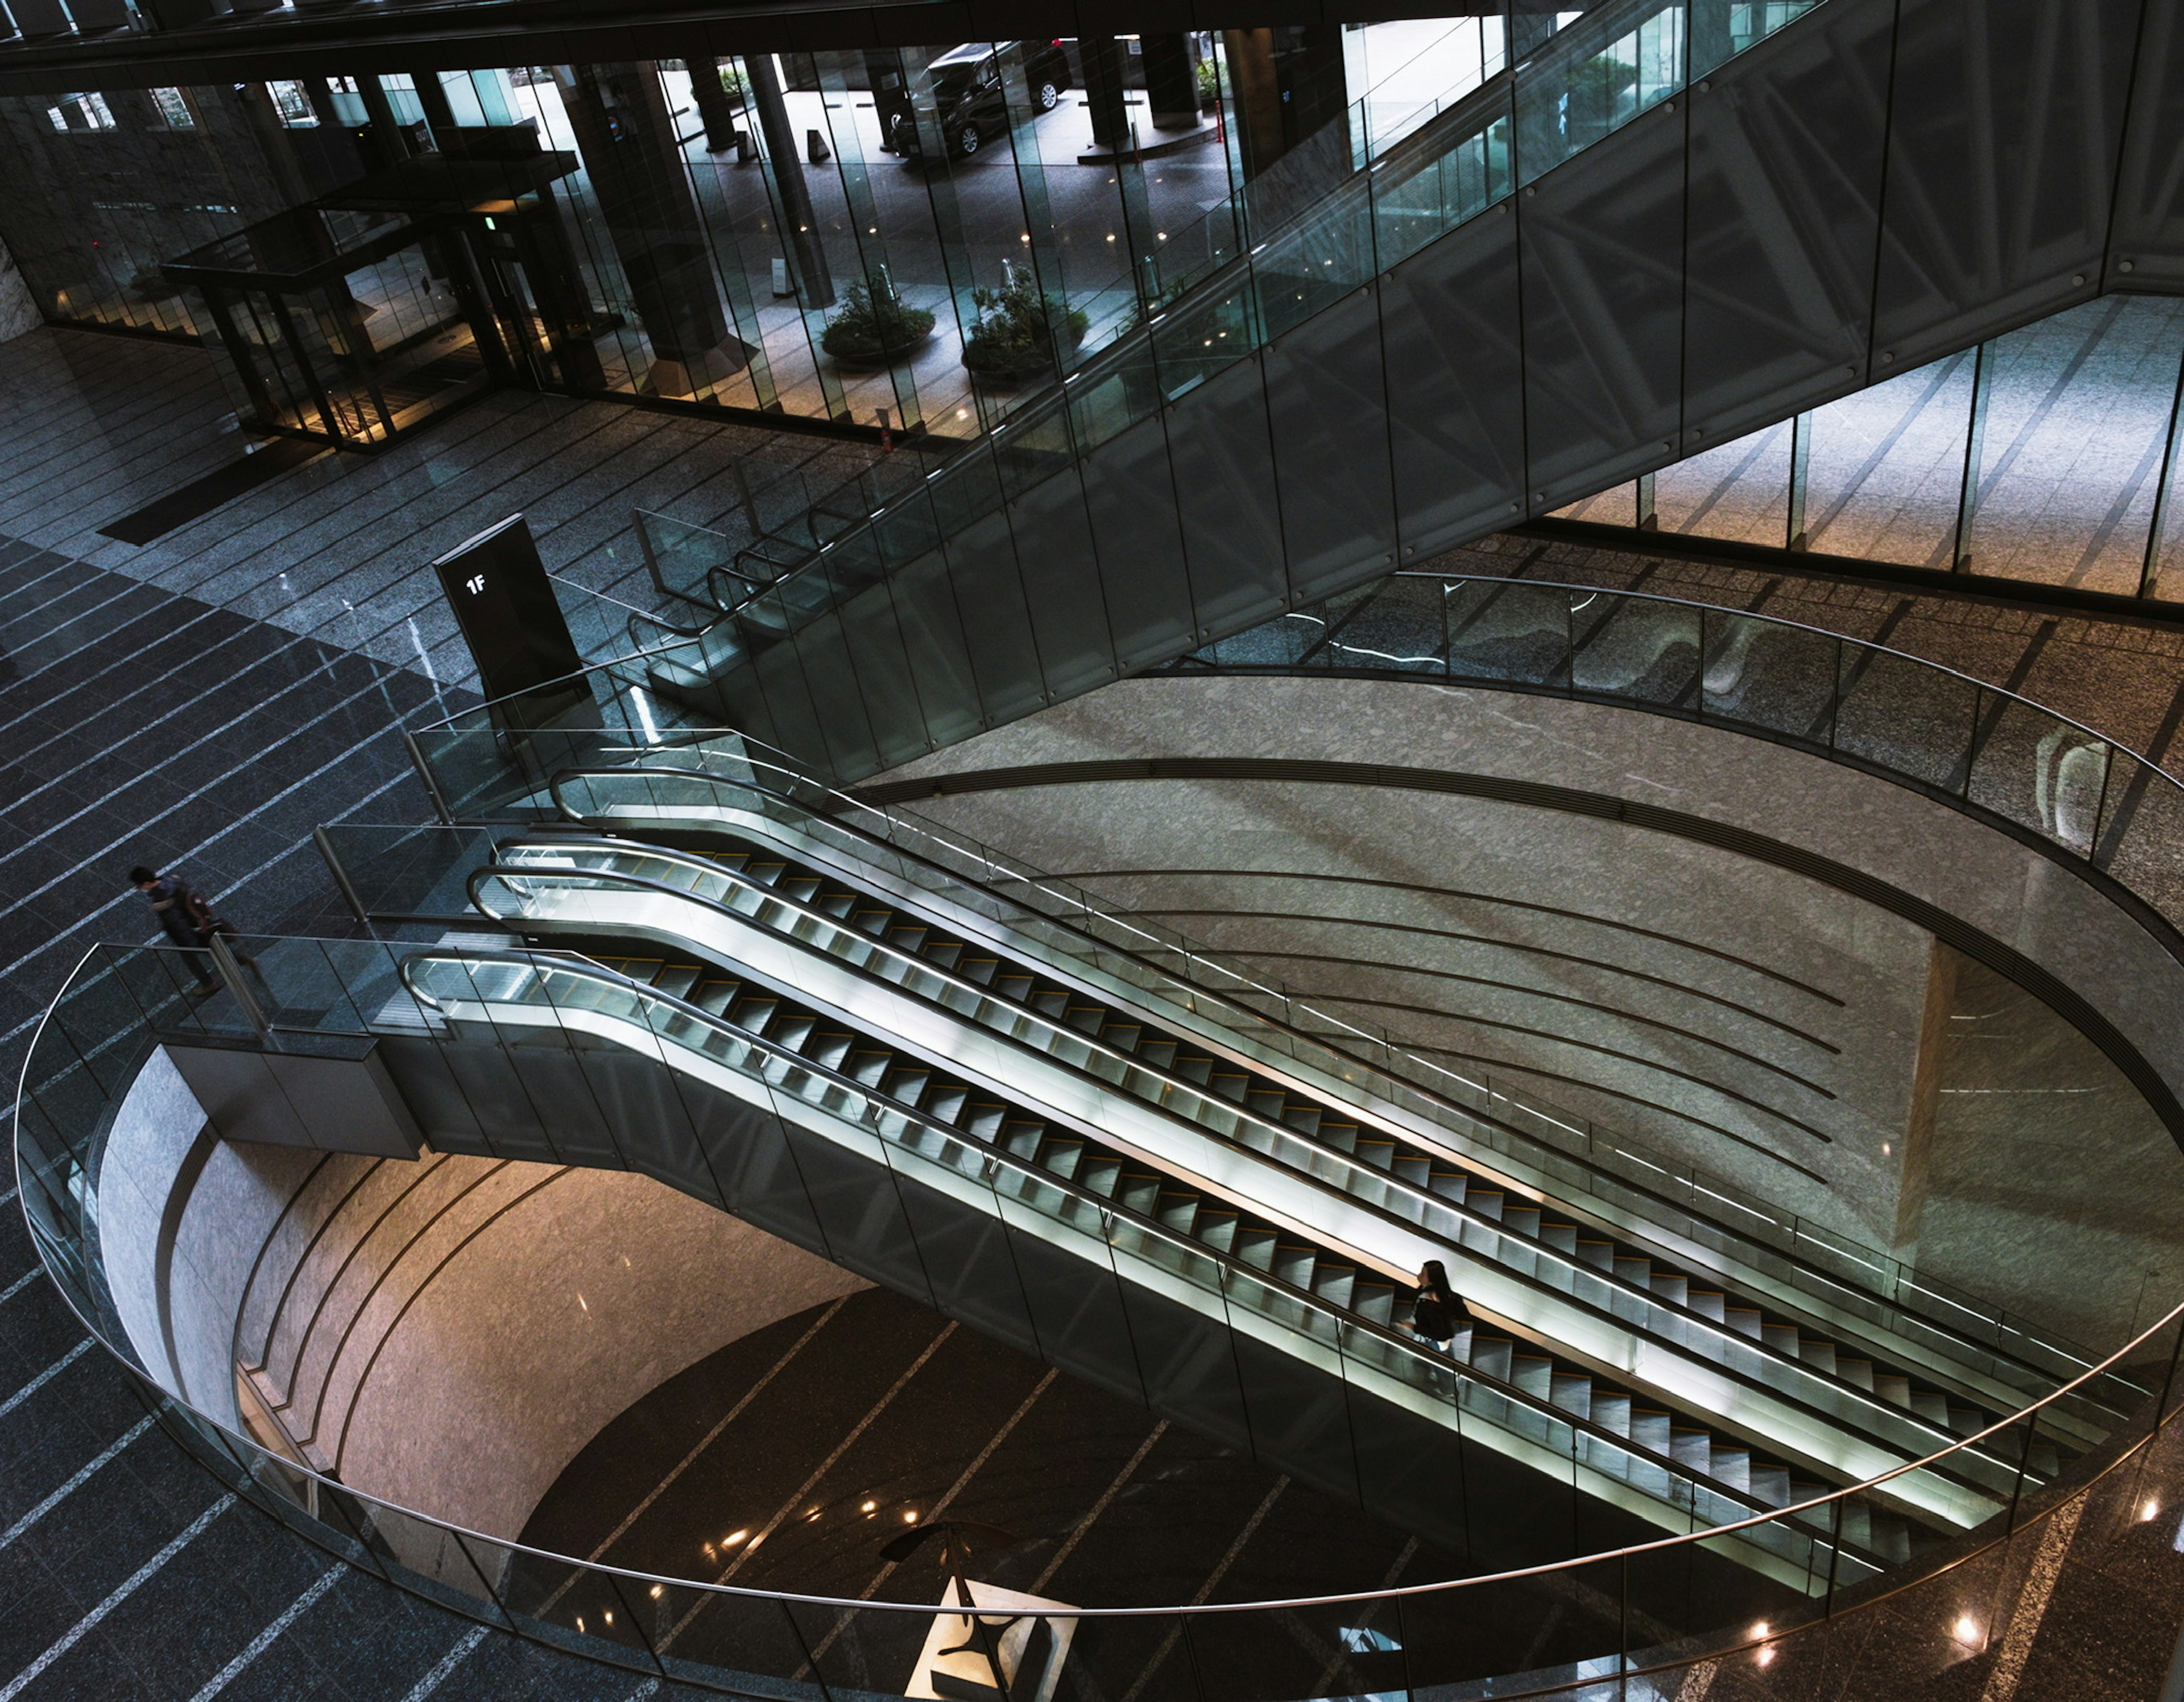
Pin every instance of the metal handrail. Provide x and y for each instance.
(250, 1448)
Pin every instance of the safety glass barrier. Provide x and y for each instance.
(1294, 240)
(1509, 1122)
(1760, 1583)
(573, 884)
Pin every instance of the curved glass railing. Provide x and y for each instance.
(554, 882)
(1659, 1608)
(1489, 1120)
(625, 759)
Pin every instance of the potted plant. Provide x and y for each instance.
(1019, 330)
(876, 327)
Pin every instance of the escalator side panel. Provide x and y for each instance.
(989, 597)
(1076, 1310)
(1456, 394)
(2006, 119)
(860, 1212)
(1130, 495)
(1328, 409)
(1783, 209)
(1602, 242)
(968, 1261)
(1188, 1364)
(1052, 534)
(1297, 1414)
(787, 696)
(924, 604)
(1232, 538)
(877, 640)
(846, 721)
(2150, 227)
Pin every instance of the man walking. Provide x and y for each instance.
(186, 917)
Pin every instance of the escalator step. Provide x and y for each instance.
(1858, 1373)
(1733, 1466)
(1102, 1176)
(1088, 1019)
(1013, 985)
(1341, 1135)
(1693, 1449)
(1562, 1237)
(803, 888)
(1138, 1191)
(676, 979)
(1487, 1203)
(867, 1068)
(714, 996)
(1676, 1290)
(1744, 1319)
(1295, 1264)
(1893, 1390)
(1532, 1374)
(1269, 1103)
(1709, 1303)
(867, 919)
(906, 1085)
(1062, 1154)
(1599, 1254)
(794, 1032)
(1124, 1037)
(1637, 1272)
(1375, 1150)
(1769, 1484)
(1177, 1212)
(1050, 1002)
(1373, 1300)
(1782, 1338)
(948, 954)
(1414, 1168)
(1492, 1355)
(1022, 1139)
(1336, 1284)
(947, 1105)
(836, 903)
(1450, 1184)
(1524, 1220)
(1256, 1248)
(1820, 1355)
(909, 936)
(980, 970)
(1571, 1391)
(754, 1013)
(1612, 1412)
(1160, 1053)
(1216, 1226)
(1194, 1066)
(1230, 1084)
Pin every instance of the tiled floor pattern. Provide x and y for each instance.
(201, 704)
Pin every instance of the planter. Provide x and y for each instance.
(877, 358)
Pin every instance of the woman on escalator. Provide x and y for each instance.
(1439, 1311)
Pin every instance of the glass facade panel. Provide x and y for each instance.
(1887, 467)
(2075, 433)
(1740, 490)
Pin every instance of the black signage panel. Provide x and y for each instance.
(505, 605)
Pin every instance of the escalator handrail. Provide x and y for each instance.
(1236, 1012)
(575, 964)
(505, 873)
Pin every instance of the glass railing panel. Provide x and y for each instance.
(2040, 771)
(2141, 841)
(1633, 647)
(1314, 263)
(1196, 339)
(1609, 66)
(1762, 674)
(1508, 633)
(680, 557)
(1905, 716)
(1417, 202)
(1399, 629)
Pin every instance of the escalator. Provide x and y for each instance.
(1338, 1322)
(1546, 290)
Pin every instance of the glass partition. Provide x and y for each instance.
(1768, 1580)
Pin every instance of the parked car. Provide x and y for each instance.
(962, 91)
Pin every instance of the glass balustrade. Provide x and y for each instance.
(1660, 1608)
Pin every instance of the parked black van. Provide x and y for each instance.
(965, 87)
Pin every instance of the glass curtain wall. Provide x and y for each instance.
(2048, 454)
(918, 238)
